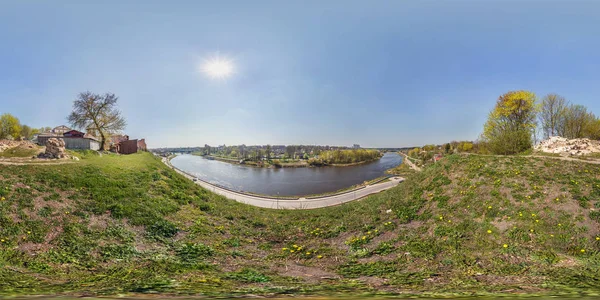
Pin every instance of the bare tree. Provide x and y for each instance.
(552, 114)
(98, 114)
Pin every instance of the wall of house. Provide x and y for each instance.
(128, 147)
(81, 143)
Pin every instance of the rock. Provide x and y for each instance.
(55, 148)
(564, 146)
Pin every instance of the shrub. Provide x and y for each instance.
(162, 229)
(194, 252)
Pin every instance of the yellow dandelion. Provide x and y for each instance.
(320, 256)
(582, 250)
(291, 251)
(489, 231)
(307, 253)
(505, 246)
(28, 232)
(598, 238)
(489, 207)
(284, 249)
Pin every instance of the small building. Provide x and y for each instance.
(86, 142)
(123, 145)
(74, 140)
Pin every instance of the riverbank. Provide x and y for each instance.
(275, 163)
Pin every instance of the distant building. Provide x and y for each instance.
(356, 146)
(60, 130)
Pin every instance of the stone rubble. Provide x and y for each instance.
(564, 146)
(55, 148)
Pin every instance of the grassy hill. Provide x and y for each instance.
(468, 224)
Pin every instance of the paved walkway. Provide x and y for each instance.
(410, 163)
(301, 203)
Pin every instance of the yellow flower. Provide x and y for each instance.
(505, 246)
(489, 207)
(582, 250)
(3, 198)
(489, 231)
(552, 235)
(284, 249)
(598, 238)
(291, 251)
(537, 220)
(28, 232)
(307, 253)
(2, 241)
(320, 256)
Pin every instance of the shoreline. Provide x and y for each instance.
(303, 202)
(300, 164)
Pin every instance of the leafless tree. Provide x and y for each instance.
(97, 114)
(552, 114)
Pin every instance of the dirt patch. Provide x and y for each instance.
(502, 225)
(99, 222)
(309, 274)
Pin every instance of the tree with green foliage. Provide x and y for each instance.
(510, 124)
(576, 119)
(26, 132)
(97, 114)
(10, 127)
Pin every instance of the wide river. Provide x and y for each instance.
(284, 181)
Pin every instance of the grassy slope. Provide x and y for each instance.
(127, 224)
(19, 152)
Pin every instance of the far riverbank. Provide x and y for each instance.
(281, 164)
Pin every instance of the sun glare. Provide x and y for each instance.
(217, 68)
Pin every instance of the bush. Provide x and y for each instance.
(162, 229)
(192, 252)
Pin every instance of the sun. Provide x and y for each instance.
(217, 68)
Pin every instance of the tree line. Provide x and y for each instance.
(345, 156)
(12, 129)
(519, 119)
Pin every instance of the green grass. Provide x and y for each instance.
(128, 225)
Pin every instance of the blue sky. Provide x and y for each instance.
(378, 73)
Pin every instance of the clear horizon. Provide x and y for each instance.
(379, 74)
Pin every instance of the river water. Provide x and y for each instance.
(284, 181)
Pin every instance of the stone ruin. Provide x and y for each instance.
(55, 148)
(564, 146)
